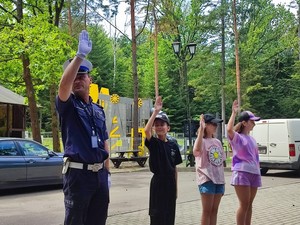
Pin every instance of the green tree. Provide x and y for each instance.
(267, 36)
(35, 46)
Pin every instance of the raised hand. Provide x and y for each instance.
(235, 106)
(202, 122)
(84, 45)
(158, 104)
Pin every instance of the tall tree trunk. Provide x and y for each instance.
(54, 117)
(223, 74)
(33, 110)
(155, 50)
(135, 78)
(70, 18)
(85, 4)
(53, 86)
(237, 59)
(298, 15)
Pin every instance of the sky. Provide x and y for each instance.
(123, 19)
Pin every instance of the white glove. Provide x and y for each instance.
(109, 180)
(84, 45)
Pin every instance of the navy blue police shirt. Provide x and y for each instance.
(164, 156)
(77, 119)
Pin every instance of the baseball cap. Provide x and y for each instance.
(163, 116)
(85, 67)
(247, 115)
(210, 118)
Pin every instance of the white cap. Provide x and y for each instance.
(85, 67)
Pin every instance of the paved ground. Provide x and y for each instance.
(277, 202)
(274, 204)
(267, 209)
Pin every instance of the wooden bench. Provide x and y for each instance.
(141, 160)
(122, 153)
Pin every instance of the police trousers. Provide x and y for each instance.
(86, 197)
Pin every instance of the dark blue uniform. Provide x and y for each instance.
(164, 156)
(86, 192)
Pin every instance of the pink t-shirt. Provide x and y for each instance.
(245, 154)
(209, 162)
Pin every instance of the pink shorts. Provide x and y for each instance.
(245, 179)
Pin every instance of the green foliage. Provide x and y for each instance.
(123, 79)
(101, 57)
(269, 55)
(267, 36)
(43, 43)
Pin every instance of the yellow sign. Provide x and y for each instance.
(104, 91)
(140, 102)
(113, 133)
(141, 147)
(94, 92)
(115, 120)
(114, 98)
(117, 144)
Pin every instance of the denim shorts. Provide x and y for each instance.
(211, 188)
(245, 179)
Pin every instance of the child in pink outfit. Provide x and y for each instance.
(209, 157)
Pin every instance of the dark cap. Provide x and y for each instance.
(210, 118)
(163, 116)
(85, 67)
(247, 115)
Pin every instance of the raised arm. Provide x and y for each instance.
(198, 143)
(67, 79)
(157, 109)
(230, 125)
(69, 75)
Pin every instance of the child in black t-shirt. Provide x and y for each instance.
(164, 156)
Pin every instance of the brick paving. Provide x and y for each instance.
(278, 205)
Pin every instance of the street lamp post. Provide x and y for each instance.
(186, 55)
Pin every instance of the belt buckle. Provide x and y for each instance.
(96, 167)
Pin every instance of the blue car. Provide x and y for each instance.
(25, 163)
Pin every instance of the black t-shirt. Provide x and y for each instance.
(164, 156)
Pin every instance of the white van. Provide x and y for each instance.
(278, 143)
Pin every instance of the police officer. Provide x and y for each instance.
(84, 135)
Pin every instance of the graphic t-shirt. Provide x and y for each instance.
(209, 162)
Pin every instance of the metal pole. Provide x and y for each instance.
(190, 158)
(182, 55)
